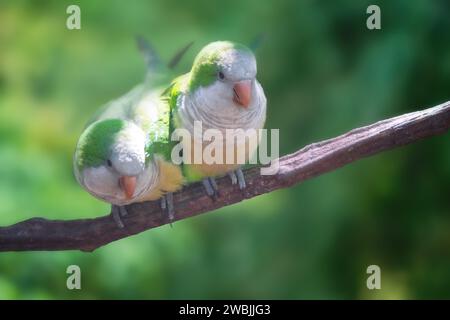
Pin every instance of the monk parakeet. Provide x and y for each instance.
(123, 155)
(222, 92)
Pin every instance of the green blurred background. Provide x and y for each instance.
(323, 72)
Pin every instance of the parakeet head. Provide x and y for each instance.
(224, 74)
(110, 161)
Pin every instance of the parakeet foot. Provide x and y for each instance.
(116, 213)
(211, 187)
(240, 179)
(167, 205)
(233, 177)
(123, 211)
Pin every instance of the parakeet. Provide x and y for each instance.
(123, 155)
(221, 91)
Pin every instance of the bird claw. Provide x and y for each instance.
(123, 211)
(211, 187)
(116, 212)
(233, 177)
(240, 179)
(163, 203)
(167, 206)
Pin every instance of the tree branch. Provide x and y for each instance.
(311, 161)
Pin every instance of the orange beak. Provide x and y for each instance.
(128, 185)
(242, 93)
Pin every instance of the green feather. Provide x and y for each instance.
(95, 142)
(204, 74)
(159, 142)
(171, 96)
(154, 119)
(206, 64)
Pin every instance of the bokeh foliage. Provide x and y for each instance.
(323, 72)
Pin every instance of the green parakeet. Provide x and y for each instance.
(222, 92)
(123, 155)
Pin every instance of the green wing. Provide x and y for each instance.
(171, 95)
(152, 114)
(144, 107)
(159, 142)
(161, 126)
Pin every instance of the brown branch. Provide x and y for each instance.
(311, 161)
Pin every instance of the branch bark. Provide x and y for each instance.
(309, 162)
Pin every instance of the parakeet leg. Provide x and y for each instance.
(123, 211)
(167, 205)
(115, 212)
(211, 187)
(170, 208)
(233, 177)
(240, 178)
(214, 185)
(163, 203)
(208, 188)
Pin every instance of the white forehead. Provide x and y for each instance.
(128, 153)
(238, 65)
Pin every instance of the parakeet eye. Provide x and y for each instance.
(109, 163)
(221, 75)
